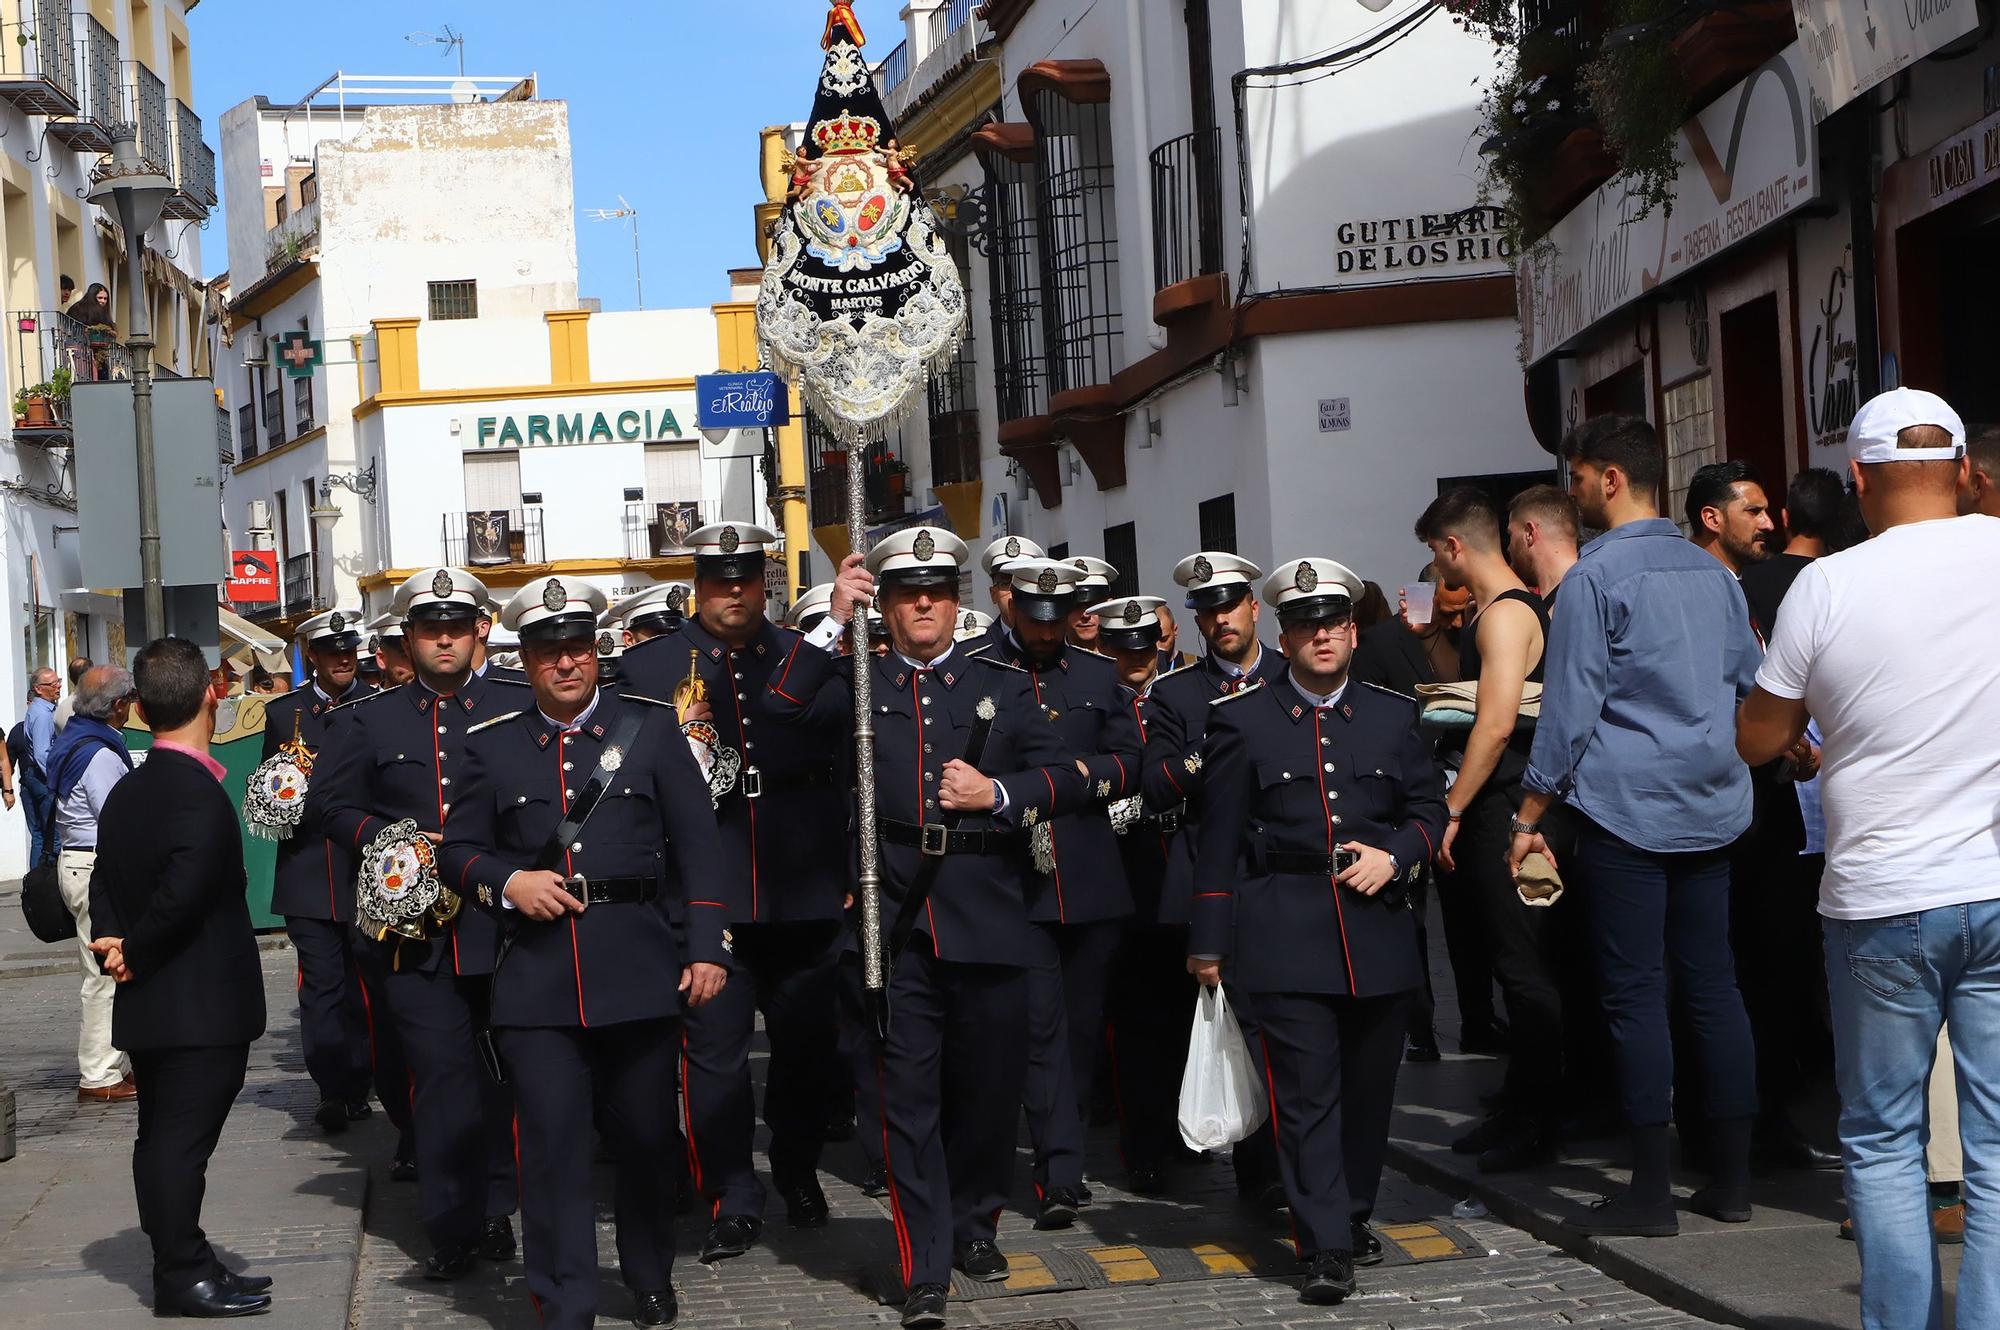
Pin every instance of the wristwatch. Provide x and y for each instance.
(1395, 868)
(1519, 828)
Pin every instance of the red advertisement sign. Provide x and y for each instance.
(253, 577)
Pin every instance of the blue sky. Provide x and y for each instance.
(665, 101)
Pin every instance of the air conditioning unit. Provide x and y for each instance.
(260, 516)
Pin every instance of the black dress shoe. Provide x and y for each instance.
(210, 1298)
(658, 1309)
(496, 1240)
(983, 1261)
(1623, 1216)
(731, 1235)
(242, 1283)
(331, 1116)
(876, 1183)
(924, 1308)
(454, 1262)
(1424, 1051)
(805, 1205)
(1145, 1180)
(838, 1129)
(403, 1170)
(1329, 1279)
(1489, 1132)
(1489, 1042)
(1728, 1205)
(1059, 1207)
(1527, 1149)
(1367, 1247)
(359, 1110)
(1273, 1197)
(1791, 1150)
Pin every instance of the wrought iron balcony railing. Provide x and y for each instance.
(493, 538)
(1187, 208)
(37, 62)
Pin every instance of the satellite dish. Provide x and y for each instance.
(464, 90)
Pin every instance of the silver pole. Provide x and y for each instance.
(870, 886)
(638, 278)
(139, 340)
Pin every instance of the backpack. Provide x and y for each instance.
(21, 750)
(42, 904)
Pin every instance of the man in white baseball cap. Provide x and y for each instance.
(1888, 646)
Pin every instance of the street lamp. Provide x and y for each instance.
(131, 187)
(325, 513)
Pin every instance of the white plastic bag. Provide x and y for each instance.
(1222, 1096)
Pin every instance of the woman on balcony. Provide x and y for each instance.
(89, 348)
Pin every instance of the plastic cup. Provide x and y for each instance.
(1421, 598)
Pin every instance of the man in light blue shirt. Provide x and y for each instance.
(44, 686)
(1649, 651)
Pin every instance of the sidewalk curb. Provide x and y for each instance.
(352, 1319)
(1418, 1163)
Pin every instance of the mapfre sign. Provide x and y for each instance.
(253, 577)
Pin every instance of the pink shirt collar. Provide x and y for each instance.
(215, 768)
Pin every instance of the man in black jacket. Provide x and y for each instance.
(173, 928)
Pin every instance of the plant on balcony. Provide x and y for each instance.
(1640, 96)
(34, 406)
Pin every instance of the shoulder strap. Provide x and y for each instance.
(616, 745)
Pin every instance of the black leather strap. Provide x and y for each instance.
(623, 732)
(936, 848)
(613, 890)
(936, 838)
(1294, 861)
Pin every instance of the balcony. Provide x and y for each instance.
(274, 417)
(51, 352)
(37, 64)
(658, 529)
(225, 449)
(246, 432)
(145, 105)
(885, 482)
(99, 92)
(495, 538)
(194, 169)
(301, 584)
(1187, 223)
(954, 39)
(894, 69)
(293, 238)
(954, 420)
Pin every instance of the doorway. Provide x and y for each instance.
(1753, 392)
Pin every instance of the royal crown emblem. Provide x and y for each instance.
(848, 132)
(554, 597)
(1203, 569)
(924, 547)
(1306, 578)
(853, 194)
(1132, 611)
(1048, 582)
(1013, 547)
(441, 584)
(729, 542)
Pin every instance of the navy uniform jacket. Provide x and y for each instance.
(1081, 693)
(977, 909)
(1284, 776)
(1145, 842)
(400, 754)
(1176, 712)
(775, 843)
(617, 961)
(314, 879)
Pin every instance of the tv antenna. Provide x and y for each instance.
(623, 211)
(447, 37)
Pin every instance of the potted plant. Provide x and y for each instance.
(33, 406)
(60, 383)
(897, 472)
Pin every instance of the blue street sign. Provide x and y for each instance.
(741, 401)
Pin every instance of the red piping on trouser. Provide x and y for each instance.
(903, 1254)
(1277, 1137)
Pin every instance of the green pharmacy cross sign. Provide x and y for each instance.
(298, 353)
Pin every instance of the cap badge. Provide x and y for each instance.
(677, 599)
(553, 595)
(1306, 578)
(728, 541)
(967, 622)
(1079, 565)
(924, 547)
(1203, 569)
(337, 624)
(605, 642)
(441, 585)
(1013, 547)
(1132, 611)
(1047, 582)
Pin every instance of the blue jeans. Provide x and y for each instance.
(37, 804)
(1892, 982)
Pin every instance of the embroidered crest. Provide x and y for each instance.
(1047, 582)
(729, 542)
(554, 597)
(1132, 611)
(1080, 566)
(337, 624)
(846, 72)
(441, 584)
(1104, 789)
(614, 758)
(924, 547)
(677, 599)
(1030, 817)
(275, 796)
(1042, 845)
(1013, 547)
(1125, 813)
(1306, 578)
(486, 897)
(967, 622)
(397, 889)
(729, 941)
(987, 711)
(606, 643)
(1203, 569)
(1192, 762)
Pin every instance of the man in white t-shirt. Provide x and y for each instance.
(1889, 648)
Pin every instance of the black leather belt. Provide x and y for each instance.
(1166, 823)
(936, 838)
(1293, 861)
(756, 784)
(612, 890)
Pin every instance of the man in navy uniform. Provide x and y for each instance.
(583, 824)
(954, 848)
(1151, 1000)
(313, 883)
(396, 755)
(1219, 589)
(1093, 585)
(1320, 806)
(786, 806)
(658, 610)
(392, 657)
(1078, 899)
(993, 562)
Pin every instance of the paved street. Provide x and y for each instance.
(291, 1203)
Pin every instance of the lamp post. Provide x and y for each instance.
(326, 512)
(136, 192)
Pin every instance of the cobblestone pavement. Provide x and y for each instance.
(289, 1202)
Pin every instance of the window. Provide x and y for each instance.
(274, 416)
(1015, 279)
(455, 300)
(302, 404)
(1121, 551)
(492, 482)
(1079, 238)
(1217, 519)
(1060, 550)
(673, 472)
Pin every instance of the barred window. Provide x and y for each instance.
(1217, 519)
(1121, 551)
(455, 300)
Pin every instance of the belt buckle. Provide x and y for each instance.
(1170, 821)
(753, 783)
(931, 838)
(577, 885)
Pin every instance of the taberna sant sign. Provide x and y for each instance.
(753, 400)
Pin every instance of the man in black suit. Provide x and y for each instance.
(173, 928)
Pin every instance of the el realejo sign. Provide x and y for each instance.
(1746, 162)
(1852, 45)
(579, 421)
